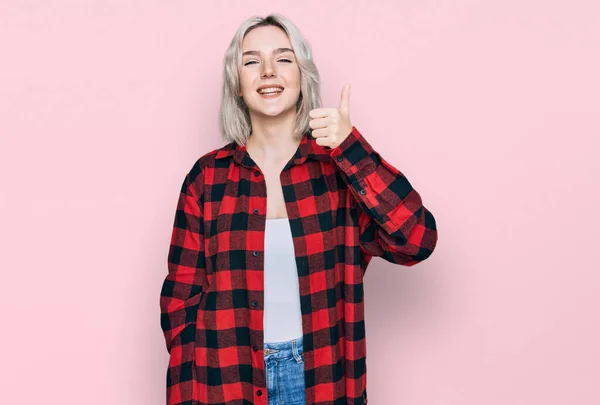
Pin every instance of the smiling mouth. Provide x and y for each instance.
(271, 92)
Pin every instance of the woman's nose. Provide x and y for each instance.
(267, 69)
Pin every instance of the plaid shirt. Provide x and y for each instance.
(345, 205)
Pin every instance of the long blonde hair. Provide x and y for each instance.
(234, 117)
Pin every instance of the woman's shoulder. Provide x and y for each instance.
(208, 159)
(208, 162)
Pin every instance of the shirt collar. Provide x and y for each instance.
(307, 149)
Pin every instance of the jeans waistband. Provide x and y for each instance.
(291, 348)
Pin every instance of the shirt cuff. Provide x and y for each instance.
(353, 155)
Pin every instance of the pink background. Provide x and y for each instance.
(490, 108)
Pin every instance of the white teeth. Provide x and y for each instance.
(270, 90)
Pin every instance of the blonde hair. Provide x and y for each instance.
(234, 117)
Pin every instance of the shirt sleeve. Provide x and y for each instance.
(182, 291)
(393, 222)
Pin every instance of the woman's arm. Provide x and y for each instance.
(182, 287)
(182, 290)
(393, 222)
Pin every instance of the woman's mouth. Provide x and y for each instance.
(270, 92)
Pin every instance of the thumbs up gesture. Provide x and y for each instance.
(332, 125)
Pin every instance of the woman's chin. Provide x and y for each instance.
(270, 112)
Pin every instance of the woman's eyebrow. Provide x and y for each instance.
(275, 51)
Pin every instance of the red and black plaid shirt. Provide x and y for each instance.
(345, 205)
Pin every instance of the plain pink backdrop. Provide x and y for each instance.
(490, 108)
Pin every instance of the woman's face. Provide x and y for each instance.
(268, 61)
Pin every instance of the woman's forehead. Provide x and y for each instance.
(265, 39)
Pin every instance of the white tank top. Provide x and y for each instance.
(282, 315)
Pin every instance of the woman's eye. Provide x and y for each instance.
(280, 60)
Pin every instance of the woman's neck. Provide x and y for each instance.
(272, 138)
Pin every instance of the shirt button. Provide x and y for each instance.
(256, 210)
(255, 348)
(363, 191)
(254, 304)
(256, 253)
(256, 173)
(259, 393)
(340, 158)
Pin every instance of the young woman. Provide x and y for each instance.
(273, 232)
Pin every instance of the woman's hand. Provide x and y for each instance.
(332, 125)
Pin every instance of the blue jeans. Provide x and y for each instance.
(284, 368)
